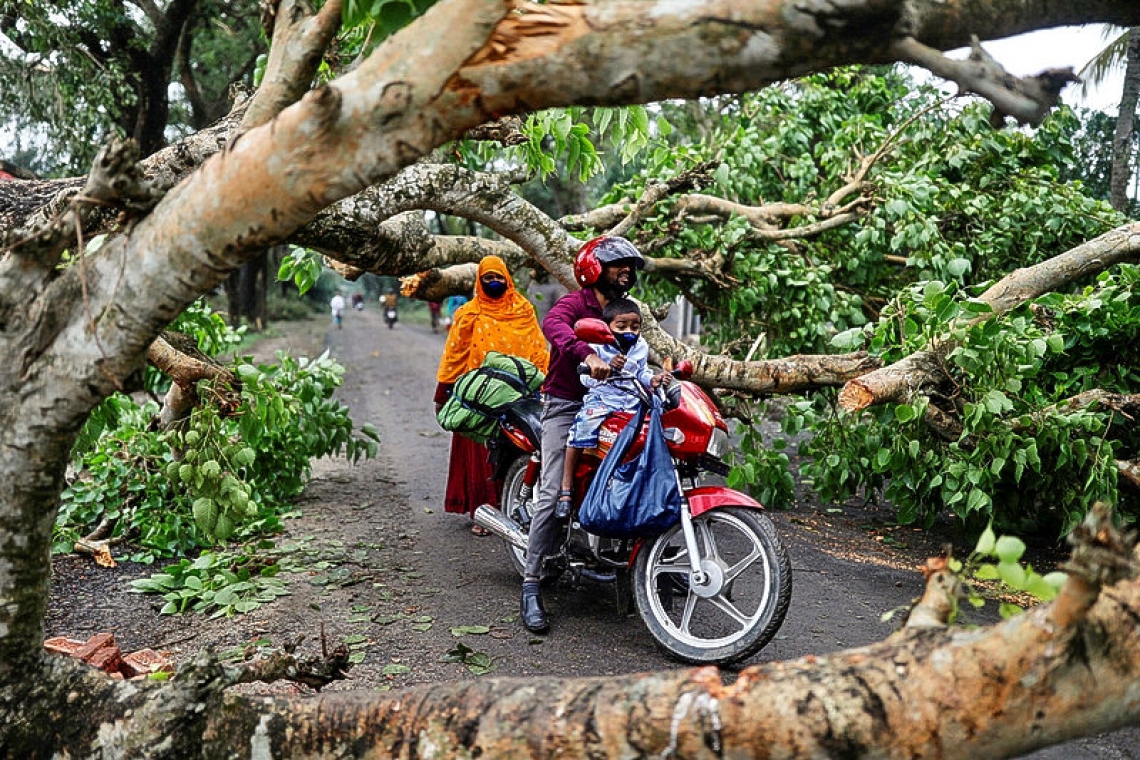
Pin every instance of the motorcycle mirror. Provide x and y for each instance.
(594, 330)
(683, 370)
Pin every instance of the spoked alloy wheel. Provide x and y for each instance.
(742, 604)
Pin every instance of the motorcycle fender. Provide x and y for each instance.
(701, 500)
(704, 498)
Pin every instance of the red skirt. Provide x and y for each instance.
(469, 477)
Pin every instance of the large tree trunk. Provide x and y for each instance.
(245, 292)
(929, 691)
(1122, 139)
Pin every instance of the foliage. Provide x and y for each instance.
(952, 204)
(302, 266)
(999, 559)
(954, 198)
(80, 69)
(763, 468)
(994, 570)
(228, 470)
(1024, 460)
(1092, 140)
(566, 140)
(218, 583)
(366, 23)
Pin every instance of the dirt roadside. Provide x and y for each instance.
(387, 570)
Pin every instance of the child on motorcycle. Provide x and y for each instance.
(631, 356)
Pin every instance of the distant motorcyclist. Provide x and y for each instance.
(606, 268)
(389, 302)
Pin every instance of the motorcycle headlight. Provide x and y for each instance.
(718, 444)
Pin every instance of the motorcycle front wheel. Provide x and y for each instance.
(740, 607)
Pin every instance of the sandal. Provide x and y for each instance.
(479, 530)
(564, 504)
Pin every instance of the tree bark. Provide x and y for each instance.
(1051, 674)
(918, 373)
(1126, 116)
(71, 336)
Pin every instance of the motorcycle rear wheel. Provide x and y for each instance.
(738, 611)
(517, 508)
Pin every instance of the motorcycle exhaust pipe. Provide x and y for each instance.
(502, 526)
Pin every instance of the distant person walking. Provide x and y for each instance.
(501, 319)
(453, 303)
(433, 311)
(336, 304)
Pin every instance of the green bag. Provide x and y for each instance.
(472, 410)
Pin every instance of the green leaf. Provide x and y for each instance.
(1012, 574)
(986, 541)
(460, 630)
(986, 572)
(1009, 548)
(958, 267)
(905, 413)
(722, 175)
(205, 513)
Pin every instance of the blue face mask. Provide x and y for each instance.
(626, 340)
(494, 288)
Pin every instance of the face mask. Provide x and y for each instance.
(494, 288)
(625, 340)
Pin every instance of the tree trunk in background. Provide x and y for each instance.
(1122, 141)
(245, 292)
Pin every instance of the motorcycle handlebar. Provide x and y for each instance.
(671, 395)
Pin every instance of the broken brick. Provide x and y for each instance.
(94, 644)
(144, 662)
(106, 659)
(62, 645)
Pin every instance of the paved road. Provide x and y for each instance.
(846, 573)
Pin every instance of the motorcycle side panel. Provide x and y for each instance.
(704, 498)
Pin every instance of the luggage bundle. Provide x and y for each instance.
(476, 399)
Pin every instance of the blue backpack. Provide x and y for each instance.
(639, 497)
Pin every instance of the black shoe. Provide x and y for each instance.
(533, 613)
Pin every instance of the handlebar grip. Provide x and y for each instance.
(583, 368)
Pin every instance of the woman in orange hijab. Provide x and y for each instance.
(501, 319)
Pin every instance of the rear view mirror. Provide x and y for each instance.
(683, 370)
(594, 330)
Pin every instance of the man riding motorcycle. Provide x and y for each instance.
(606, 268)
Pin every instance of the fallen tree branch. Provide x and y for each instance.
(316, 672)
(917, 373)
(694, 177)
(1027, 99)
(792, 374)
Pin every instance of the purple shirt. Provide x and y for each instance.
(567, 351)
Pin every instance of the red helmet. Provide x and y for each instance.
(596, 253)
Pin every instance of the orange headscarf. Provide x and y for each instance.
(506, 324)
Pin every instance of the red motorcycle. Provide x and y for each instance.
(714, 588)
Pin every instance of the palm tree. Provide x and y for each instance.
(1124, 47)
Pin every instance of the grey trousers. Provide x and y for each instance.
(557, 417)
